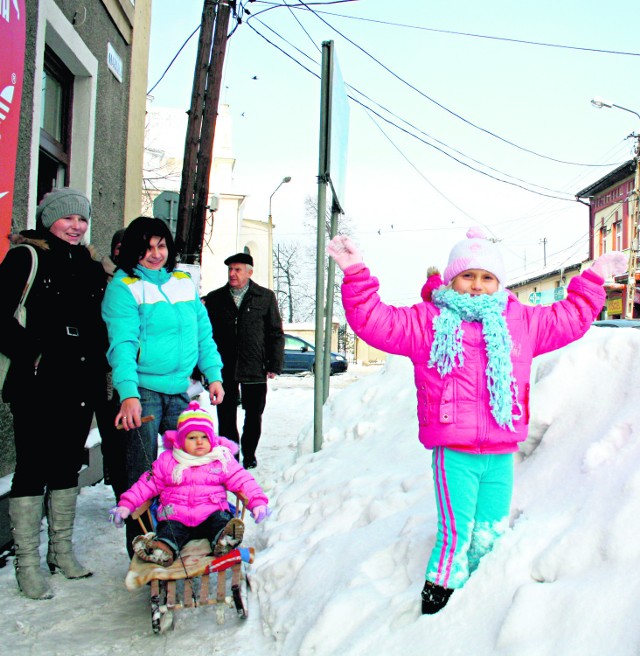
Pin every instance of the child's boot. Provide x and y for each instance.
(147, 548)
(434, 598)
(229, 537)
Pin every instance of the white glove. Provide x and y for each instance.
(343, 251)
(610, 264)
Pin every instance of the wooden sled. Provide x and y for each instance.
(187, 582)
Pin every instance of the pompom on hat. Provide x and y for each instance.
(60, 203)
(475, 252)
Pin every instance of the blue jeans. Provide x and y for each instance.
(142, 443)
(176, 534)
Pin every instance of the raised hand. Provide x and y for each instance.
(610, 264)
(343, 251)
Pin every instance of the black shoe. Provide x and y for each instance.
(251, 463)
(434, 598)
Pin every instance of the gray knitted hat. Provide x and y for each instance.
(60, 203)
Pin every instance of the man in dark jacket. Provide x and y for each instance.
(247, 329)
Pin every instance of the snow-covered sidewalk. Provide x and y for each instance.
(340, 563)
(97, 616)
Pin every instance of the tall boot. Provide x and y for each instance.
(61, 513)
(25, 514)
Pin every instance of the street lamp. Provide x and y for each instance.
(633, 245)
(601, 102)
(284, 180)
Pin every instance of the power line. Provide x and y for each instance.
(166, 70)
(484, 36)
(411, 134)
(443, 107)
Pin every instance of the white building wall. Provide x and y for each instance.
(227, 231)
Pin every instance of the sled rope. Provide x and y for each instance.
(184, 567)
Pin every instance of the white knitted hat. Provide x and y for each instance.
(475, 252)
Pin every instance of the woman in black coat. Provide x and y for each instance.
(55, 380)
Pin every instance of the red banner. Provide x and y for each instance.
(12, 38)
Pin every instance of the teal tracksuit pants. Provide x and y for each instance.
(473, 495)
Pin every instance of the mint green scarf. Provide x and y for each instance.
(447, 350)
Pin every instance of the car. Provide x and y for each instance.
(300, 356)
(617, 323)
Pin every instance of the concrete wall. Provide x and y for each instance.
(79, 33)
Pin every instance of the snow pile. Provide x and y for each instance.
(342, 563)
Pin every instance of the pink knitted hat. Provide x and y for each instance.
(475, 252)
(194, 418)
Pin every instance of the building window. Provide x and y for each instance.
(603, 241)
(617, 234)
(55, 124)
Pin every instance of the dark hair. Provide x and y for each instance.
(136, 240)
(116, 240)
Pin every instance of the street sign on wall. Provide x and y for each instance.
(12, 40)
(547, 297)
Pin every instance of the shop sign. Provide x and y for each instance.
(12, 41)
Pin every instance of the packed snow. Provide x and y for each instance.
(340, 563)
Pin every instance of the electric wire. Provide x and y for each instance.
(166, 70)
(443, 107)
(484, 36)
(406, 131)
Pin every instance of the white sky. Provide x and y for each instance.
(340, 563)
(537, 97)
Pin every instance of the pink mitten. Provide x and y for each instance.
(230, 444)
(118, 514)
(610, 264)
(343, 251)
(260, 513)
(434, 280)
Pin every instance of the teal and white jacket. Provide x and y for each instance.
(158, 332)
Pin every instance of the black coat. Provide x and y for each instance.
(250, 338)
(65, 335)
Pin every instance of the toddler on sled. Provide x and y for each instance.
(191, 479)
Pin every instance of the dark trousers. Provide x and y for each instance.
(254, 398)
(176, 534)
(49, 440)
(113, 444)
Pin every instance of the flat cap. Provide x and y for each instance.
(239, 258)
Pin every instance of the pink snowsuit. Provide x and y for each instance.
(201, 492)
(471, 461)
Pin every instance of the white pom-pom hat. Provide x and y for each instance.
(475, 252)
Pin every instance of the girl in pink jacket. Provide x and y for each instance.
(191, 478)
(471, 343)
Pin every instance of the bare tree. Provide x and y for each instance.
(294, 278)
(292, 290)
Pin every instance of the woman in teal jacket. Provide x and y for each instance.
(159, 331)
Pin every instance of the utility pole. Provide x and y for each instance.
(633, 244)
(205, 96)
(543, 241)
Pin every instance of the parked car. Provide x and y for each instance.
(617, 323)
(300, 356)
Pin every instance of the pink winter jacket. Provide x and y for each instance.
(202, 491)
(454, 411)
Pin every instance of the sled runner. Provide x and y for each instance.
(188, 581)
